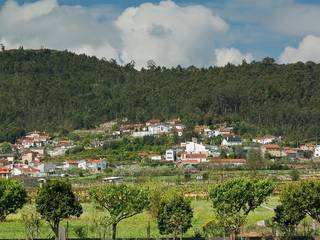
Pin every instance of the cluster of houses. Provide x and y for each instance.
(28, 153)
(50, 169)
(152, 127)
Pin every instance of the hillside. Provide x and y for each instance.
(54, 90)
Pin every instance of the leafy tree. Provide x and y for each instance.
(289, 213)
(254, 159)
(233, 200)
(56, 201)
(5, 148)
(175, 216)
(12, 197)
(120, 201)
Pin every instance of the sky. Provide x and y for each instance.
(183, 32)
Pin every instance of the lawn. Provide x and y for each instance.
(132, 227)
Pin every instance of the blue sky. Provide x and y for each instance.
(226, 31)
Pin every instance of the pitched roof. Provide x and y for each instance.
(4, 170)
(271, 146)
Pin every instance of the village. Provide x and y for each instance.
(34, 155)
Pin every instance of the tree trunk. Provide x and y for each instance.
(114, 231)
(55, 229)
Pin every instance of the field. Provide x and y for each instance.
(133, 227)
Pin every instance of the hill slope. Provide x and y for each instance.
(52, 90)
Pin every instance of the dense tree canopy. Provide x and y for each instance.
(56, 201)
(54, 90)
(12, 197)
(234, 199)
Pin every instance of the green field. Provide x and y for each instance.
(132, 227)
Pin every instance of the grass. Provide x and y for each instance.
(133, 227)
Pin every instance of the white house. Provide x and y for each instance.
(156, 157)
(93, 165)
(140, 134)
(158, 129)
(192, 147)
(316, 152)
(70, 164)
(223, 131)
(231, 141)
(264, 139)
(208, 132)
(171, 155)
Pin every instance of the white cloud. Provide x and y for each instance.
(45, 23)
(167, 33)
(308, 50)
(170, 34)
(230, 55)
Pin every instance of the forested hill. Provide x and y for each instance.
(54, 90)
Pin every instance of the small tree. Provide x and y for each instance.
(175, 216)
(12, 197)
(56, 201)
(255, 160)
(235, 199)
(32, 221)
(121, 202)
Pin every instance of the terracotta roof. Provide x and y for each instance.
(4, 170)
(95, 161)
(271, 146)
(72, 161)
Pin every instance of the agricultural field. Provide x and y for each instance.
(136, 226)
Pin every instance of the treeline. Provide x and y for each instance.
(53, 90)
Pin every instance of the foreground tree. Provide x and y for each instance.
(56, 201)
(235, 199)
(175, 216)
(12, 197)
(120, 201)
(297, 201)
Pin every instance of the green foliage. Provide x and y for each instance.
(12, 197)
(295, 175)
(56, 201)
(31, 220)
(290, 212)
(234, 199)
(5, 148)
(54, 90)
(81, 232)
(175, 216)
(254, 159)
(120, 201)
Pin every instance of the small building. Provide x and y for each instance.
(4, 172)
(265, 139)
(140, 134)
(96, 165)
(307, 147)
(193, 147)
(171, 155)
(24, 170)
(155, 157)
(223, 131)
(273, 150)
(231, 141)
(159, 129)
(28, 156)
(70, 164)
(316, 153)
(46, 169)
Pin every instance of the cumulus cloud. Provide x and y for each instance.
(47, 24)
(308, 50)
(165, 32)
(170, 34)
(230, 55)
